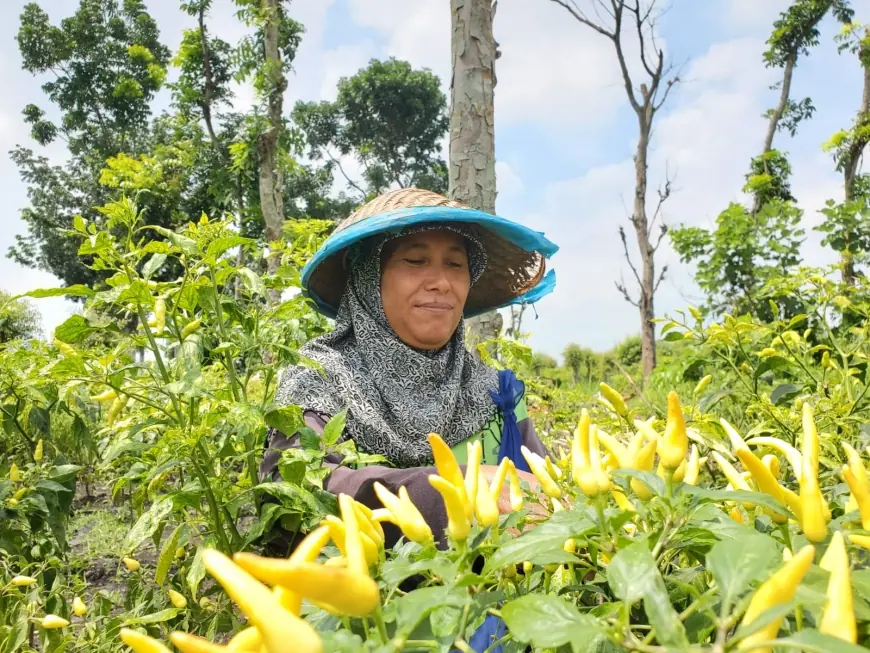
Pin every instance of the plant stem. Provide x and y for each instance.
(378, 617)
(228, 360)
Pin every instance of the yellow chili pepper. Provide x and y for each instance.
(458, 524)
(486, 507)
(116, 408)
(53, 622)
(778, 589)
(498, 480)
(693, 467)
(190, 327)
(247, 640)
(104, 396)
(306, 551)
(536, 465)
(586, 467)
(516, 491)
(615, 399)
(812, 512)
(365, 517)
(14, 474)
(177, 599)
(353, 541)
(445, 463)
(187, 643)
(12, 502)
(621, 500)
(772, 463)
(79, 607)
(858, 480)
(736, 515)
(552, 470)
(37, 453)
(570, 546)
(643, 462)
(347, 591)
(131, 564)
(734, 477)
(64, 348)
(792, 455)
(405, 515)
(20, 492)
(472, 476)
(141, 643)
(23, 581)
(838, 616)
(619, 452)
(338, 532)
(737, 441)
(860, 540)
(159, 315)
(277, 626)
(765, 481)
(703, 383)
(675, 441)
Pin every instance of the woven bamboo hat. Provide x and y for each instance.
(516, 255)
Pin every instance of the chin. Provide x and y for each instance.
(430, 340)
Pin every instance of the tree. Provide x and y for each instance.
(541, 362)
(847, 224)
(472, 123)
(646, 99)
(751, 246)
(275, 48)
(579, 359)
(105, 64)
(391, 118)
(18, 319)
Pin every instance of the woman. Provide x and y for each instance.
(398, 276)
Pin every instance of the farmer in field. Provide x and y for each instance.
(398, 276)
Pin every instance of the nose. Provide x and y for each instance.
(437, 280)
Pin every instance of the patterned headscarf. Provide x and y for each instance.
(395, 395)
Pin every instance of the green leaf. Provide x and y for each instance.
(75, 329)
(77, 290)
(672, 336)
(221, 245)
(633, 575)
(812, 641)
(167, 555)
(706, 495)
(334, 428)
(547, 621)
(153, 264)
(153, 618)
(770, 363)
(653, 481)
(736, 563)
(185, 244)
(543, 542)
(287, 419)
(147, 524)
(253, 282)
(412, 608)
(196, 573)
(782, 392)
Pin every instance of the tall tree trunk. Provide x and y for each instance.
(472, 123)
(645, 99)
(646, 303)
(271, 176)
(776, 116)
(853, 160)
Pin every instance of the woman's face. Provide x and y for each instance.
(424, 284)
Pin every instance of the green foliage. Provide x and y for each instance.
(744, 252)
(18, 319)
(391, 118)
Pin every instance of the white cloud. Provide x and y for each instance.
(509, 182)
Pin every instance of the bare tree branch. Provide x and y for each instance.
(661, 278)
(628, 256)
(350, 181)
(620, 286)
(664, 193)
(575, 11)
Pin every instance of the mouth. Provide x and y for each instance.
(436, 307)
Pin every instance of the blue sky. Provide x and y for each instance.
(564, 132)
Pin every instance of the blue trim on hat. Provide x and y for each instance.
(394, 221)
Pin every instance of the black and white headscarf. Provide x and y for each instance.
(395, 395)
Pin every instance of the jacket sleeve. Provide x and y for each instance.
(359, 483)
(530, 437)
